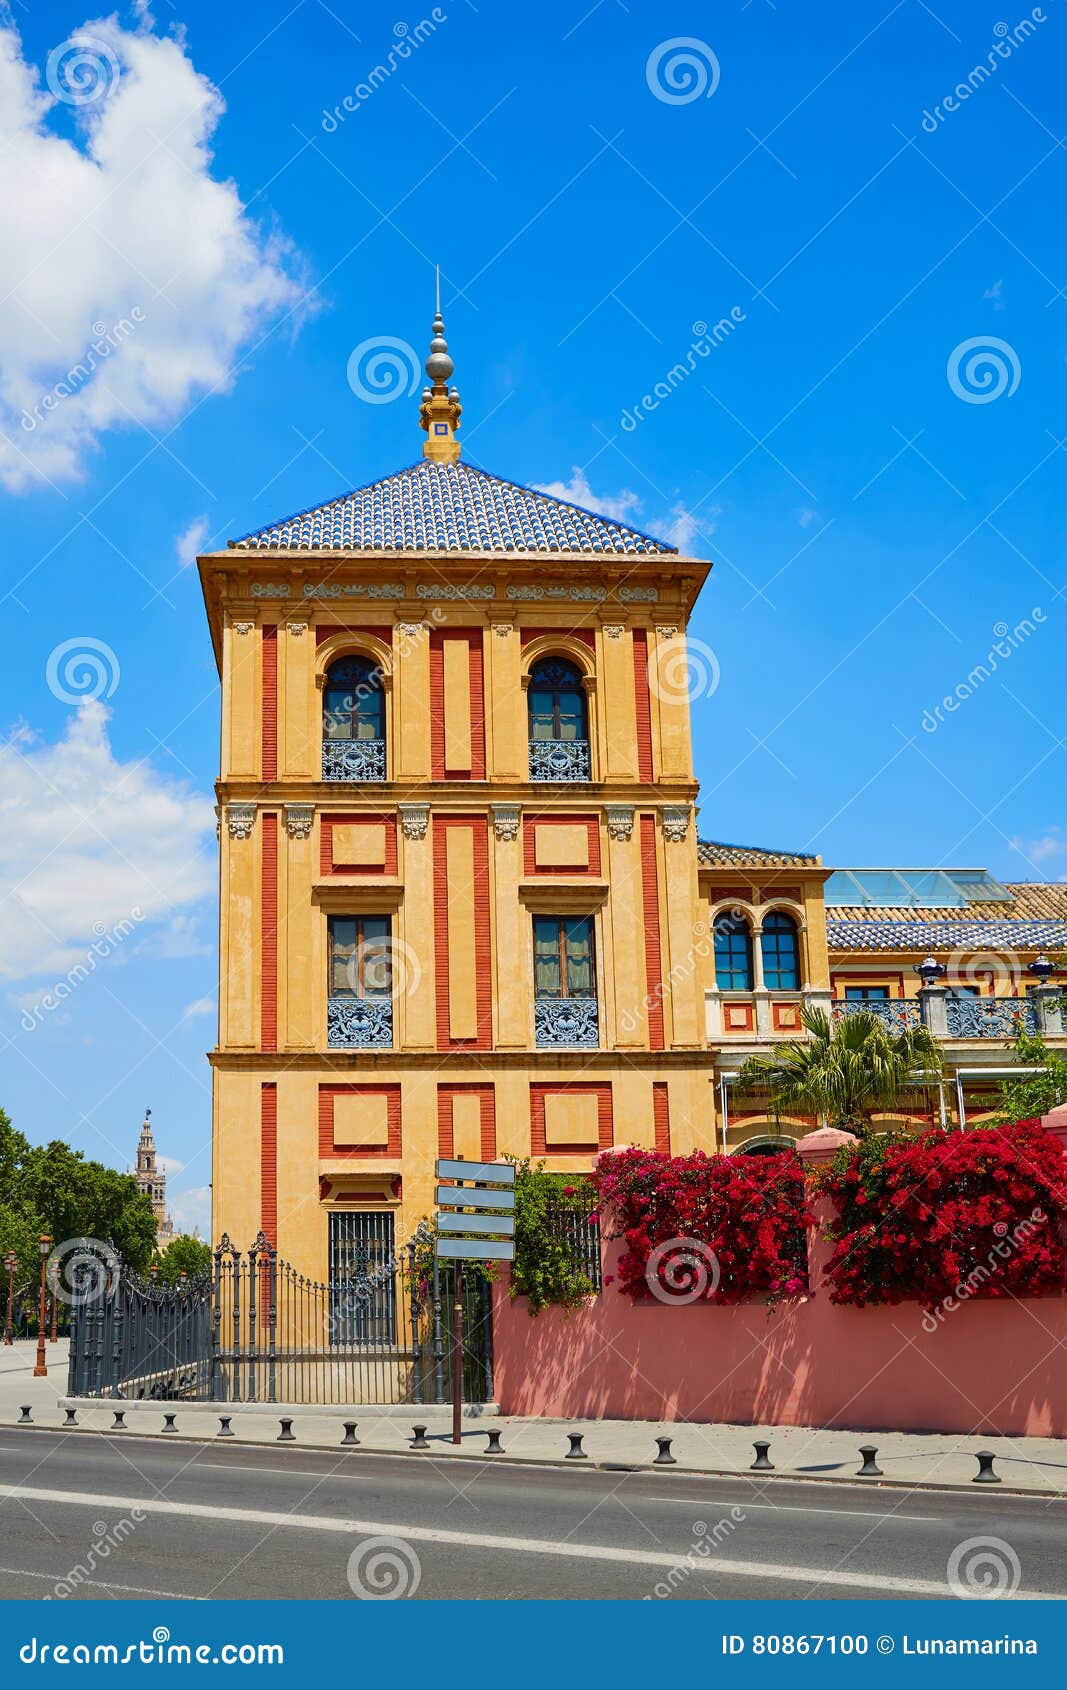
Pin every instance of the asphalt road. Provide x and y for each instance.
(88, 1516)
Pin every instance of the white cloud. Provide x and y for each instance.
(996, 294)
(169, 1164)
(190, 1209)
(1051, 844)
(191, 541)
(683, 527)
(806, 516)
(131, 275)
(577, 491)
(200, 1006)
(93, 851)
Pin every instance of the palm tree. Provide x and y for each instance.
(843, 1073)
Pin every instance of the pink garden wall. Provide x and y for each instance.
(987, 1366)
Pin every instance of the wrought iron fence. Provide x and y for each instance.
(255, 1330)
(566, 1023)
(559, 759)
(989, 1018)
(581, 1234)
(353, 759)
(899, 1014)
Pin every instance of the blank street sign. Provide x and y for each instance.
(475, 1250)
(502, 1225)
(496, 1173)
(452, 1197)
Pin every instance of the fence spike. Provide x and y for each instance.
(576, 1452)
(763, 1462)
(285, 1436)
(350, 1432)
(870, 1468)
(985, 1474)
(420, 1440)
(664, 1458)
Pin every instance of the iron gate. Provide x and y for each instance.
(254, 1330)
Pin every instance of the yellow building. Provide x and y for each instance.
(463, 906)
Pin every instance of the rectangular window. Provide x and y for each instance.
(564, 957)
(363, 1278)
(866, 994)
(360, 956)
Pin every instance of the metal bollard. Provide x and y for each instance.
(494, 1446)
(225, 1429)
(420, 1440)
(285, 1436)
(763, 1462)
(25, 1418)
(168, 1423)
(664, 1458)
(870, 1468)
(71, 1419)
(985, 1474)
(576, 1452)
(119, 1424)
(350, 1432)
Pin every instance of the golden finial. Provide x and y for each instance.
(440, 410)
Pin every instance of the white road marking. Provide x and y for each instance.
(695, 1563)
(794, 1508)
(98, 1584)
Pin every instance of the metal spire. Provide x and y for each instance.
(440, 409)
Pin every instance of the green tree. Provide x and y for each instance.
(186, 1255)
(847, 1071)
(79, 1199)
(547, 1269)
(1032, 1095)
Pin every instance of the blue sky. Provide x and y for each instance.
(877, 516)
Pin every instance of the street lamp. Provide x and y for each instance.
(11, 1262)
(41, 1369)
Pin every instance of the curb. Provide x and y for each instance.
(943, 1487)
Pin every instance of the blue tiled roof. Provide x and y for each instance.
(946, 935)
(432, 507)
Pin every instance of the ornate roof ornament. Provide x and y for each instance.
(440, 410)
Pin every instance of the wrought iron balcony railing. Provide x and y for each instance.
(559, 759)
(359, 1023)
(989, 1018)
(899, 1014)
(353, 759)
(566, 1023)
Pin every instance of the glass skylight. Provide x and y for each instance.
(914, 888)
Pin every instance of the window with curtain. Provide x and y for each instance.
(733, 954)
(564, 962)
(781, 964)
(556, 701)
(360, 957)
(353, 705)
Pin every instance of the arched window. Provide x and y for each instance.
(733, 953)
(559, 729)
(781, 965)
(765, 1146)
(353, 721)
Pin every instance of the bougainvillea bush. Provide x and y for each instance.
(707, 1228)
(943, 1215)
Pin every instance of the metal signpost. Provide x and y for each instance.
(475, 1223)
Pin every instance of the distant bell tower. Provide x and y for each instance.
(151, 1180)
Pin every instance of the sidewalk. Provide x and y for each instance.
(1030, 1464)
